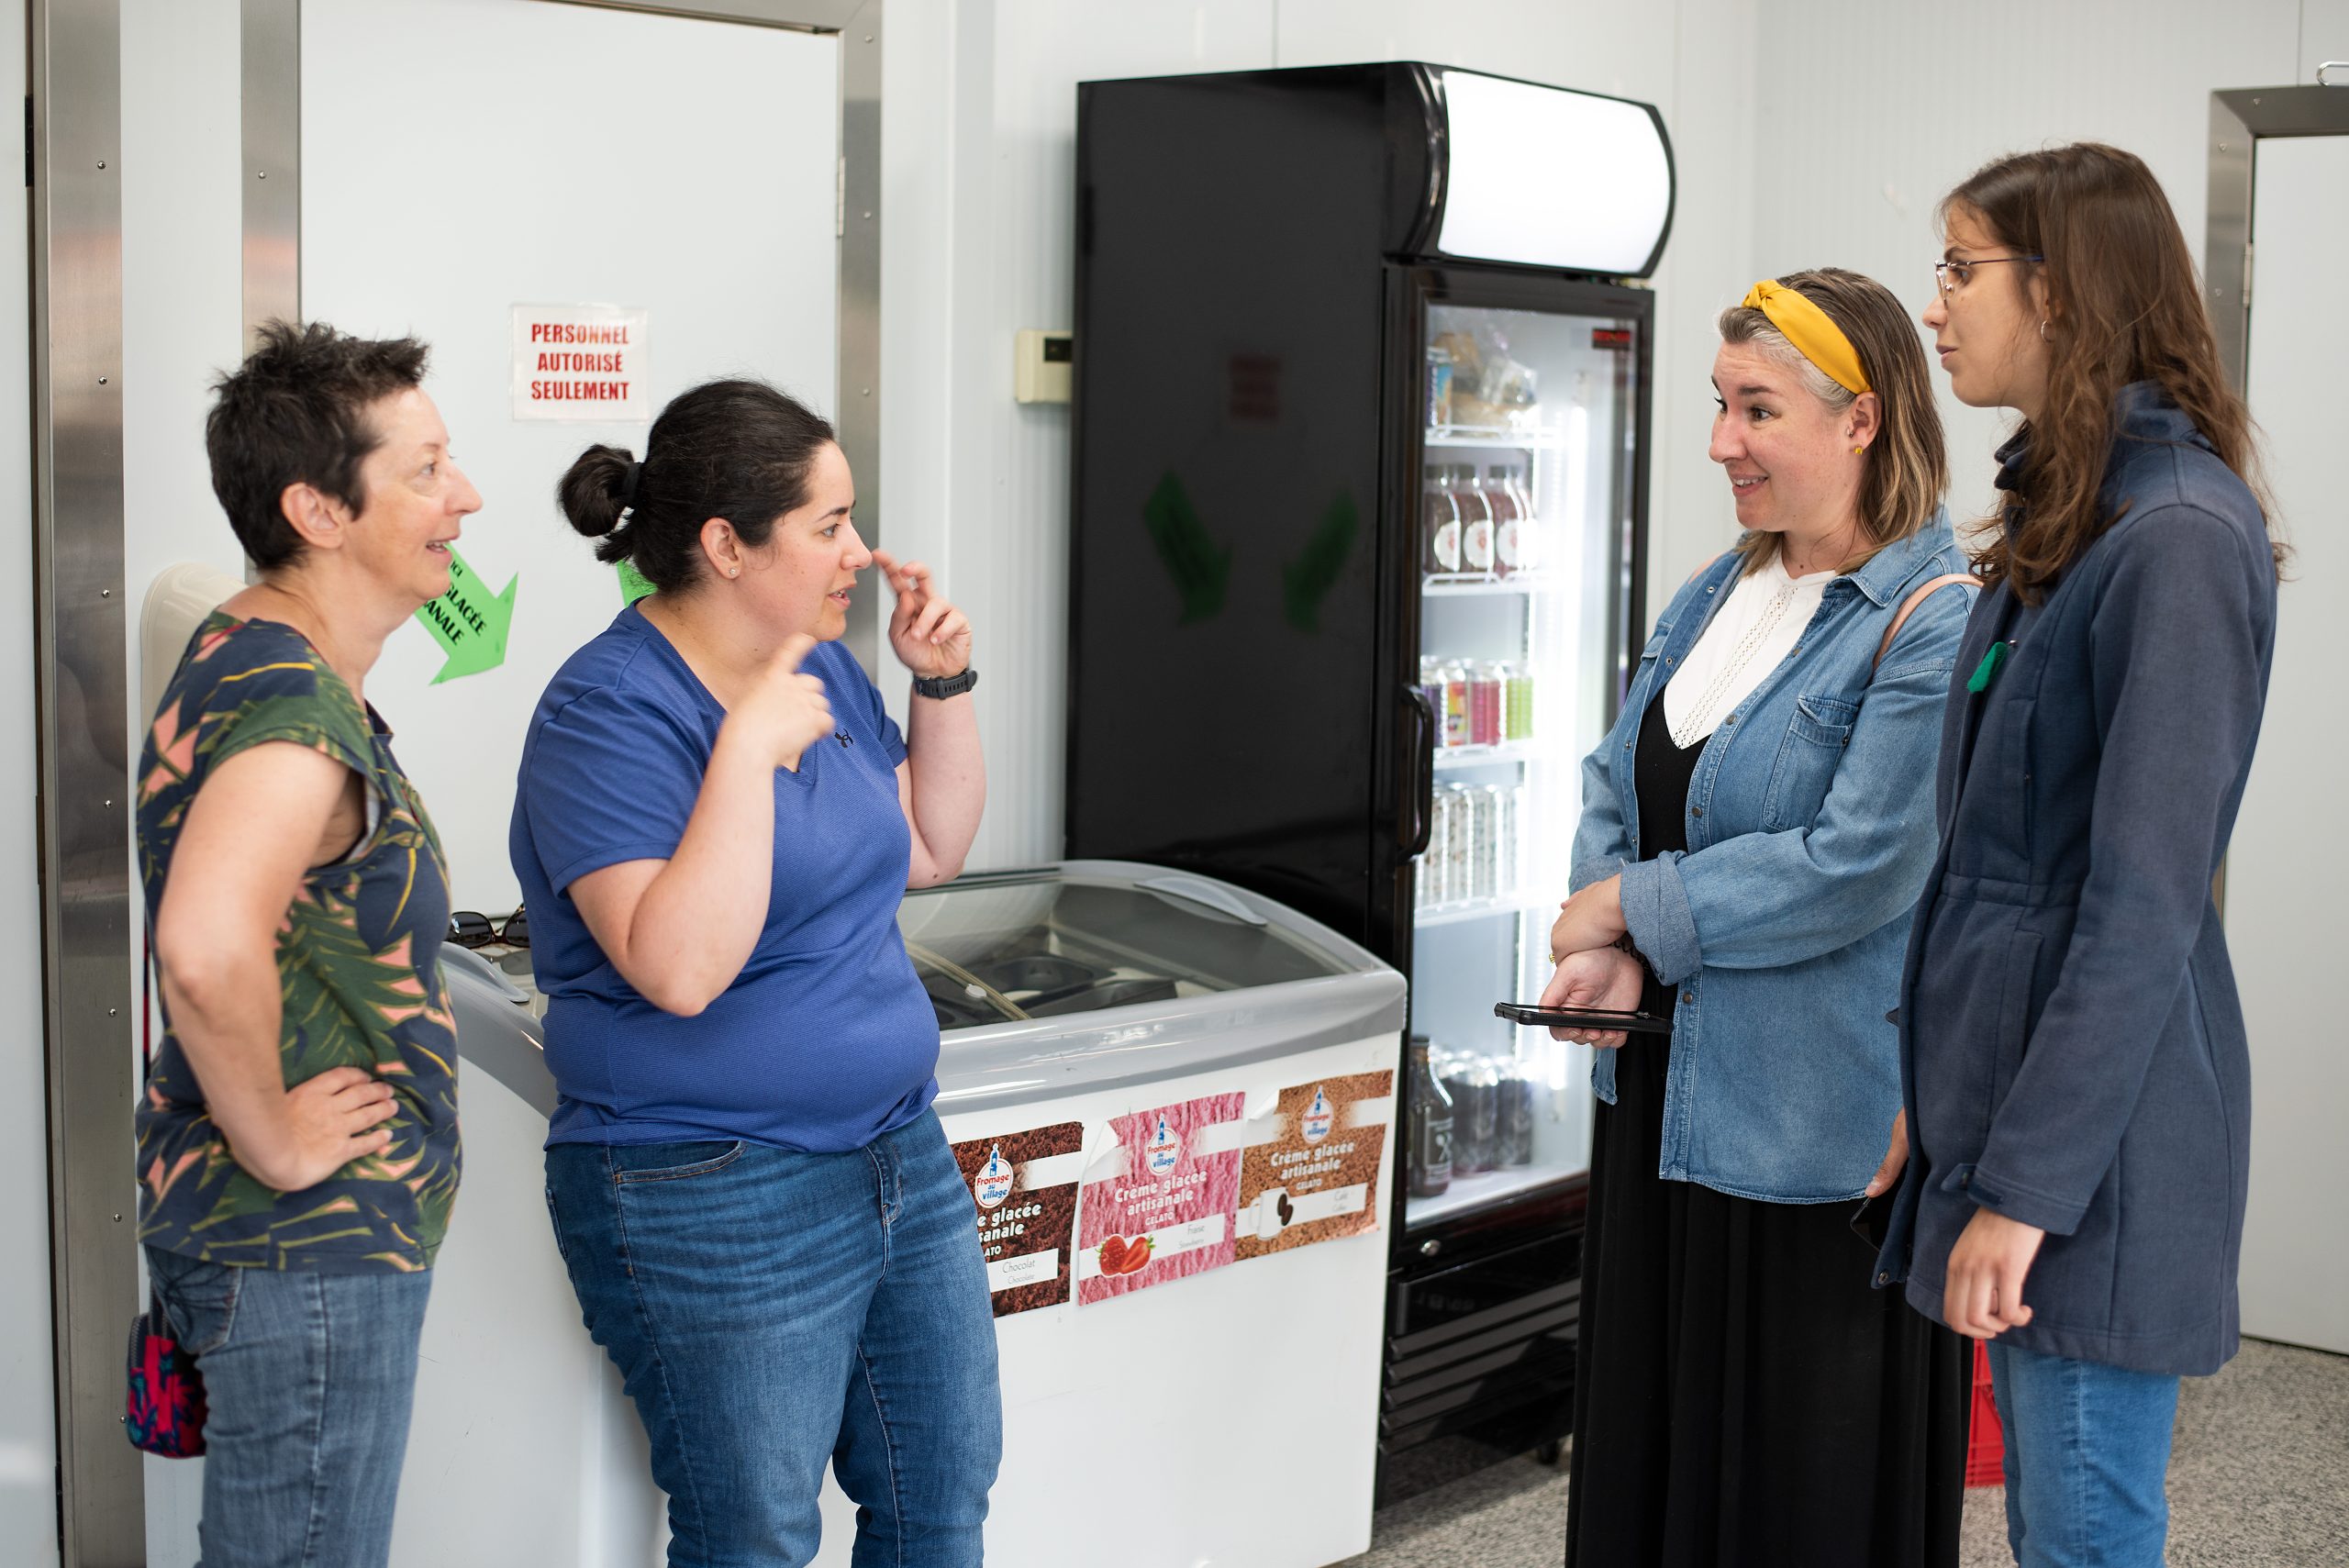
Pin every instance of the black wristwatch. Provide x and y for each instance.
(941, 687)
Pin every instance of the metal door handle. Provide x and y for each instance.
(1423, 729)
(2331, 65)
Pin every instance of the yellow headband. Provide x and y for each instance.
(1808, 328)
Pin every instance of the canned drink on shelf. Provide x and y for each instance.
(1435, 862)
(1458, 881)
(1517, 703)
(1455, 704)
(1513, 1116)
(1520, 848)
(1492, 830)
(1484, 705)
(1432, 686)
(1501, 810)
(1475, 1087)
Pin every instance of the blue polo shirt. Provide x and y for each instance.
(826, 1041)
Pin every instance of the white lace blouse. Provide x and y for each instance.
(1744, 641)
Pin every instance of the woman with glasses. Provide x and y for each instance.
(1754, 833)
(2078, 1088)
(716, 823)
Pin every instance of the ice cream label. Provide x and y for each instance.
(1317, 1179)
(1163, 1151)
(994, 1182)
(1169, 1213)
(1317, 1117)
(1023, 1196)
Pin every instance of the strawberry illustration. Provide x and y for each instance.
(1137, 1255)
(1113, 1255)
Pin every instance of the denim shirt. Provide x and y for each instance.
(1810, 832)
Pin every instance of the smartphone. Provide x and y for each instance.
(1581, 1018)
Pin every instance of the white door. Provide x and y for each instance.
(461, 156)
(2290, 863)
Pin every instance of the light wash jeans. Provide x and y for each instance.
(771, 1310)
(309, 1378)
(2088, 1454)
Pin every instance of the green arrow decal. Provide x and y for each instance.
(633, 585)
(468, 623)
(1199, 571)
(1306, 581)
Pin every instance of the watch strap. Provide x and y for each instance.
(941, 687)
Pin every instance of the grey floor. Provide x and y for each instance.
(2259, 1478)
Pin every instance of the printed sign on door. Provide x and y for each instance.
(1169, 1215)
(581, 363)
(1023, 1189)
(1318, 1178)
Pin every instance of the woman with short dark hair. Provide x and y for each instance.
(297, 1142)
(716, 823)
(1754, 831)
(2079, 1086)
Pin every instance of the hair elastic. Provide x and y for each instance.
(627, 485)
(1810, 329)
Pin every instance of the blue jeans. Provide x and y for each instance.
(309, 1378)
(2087, 1453)
(770, 1310)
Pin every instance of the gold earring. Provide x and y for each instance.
(1857, 450)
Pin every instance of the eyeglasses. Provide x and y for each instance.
(1950, 276)
(470, 929)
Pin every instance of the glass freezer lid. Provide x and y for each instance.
(1051, 942)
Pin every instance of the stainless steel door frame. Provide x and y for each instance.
(2239, 119)
(80, 671)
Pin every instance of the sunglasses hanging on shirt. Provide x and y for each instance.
(470, 929)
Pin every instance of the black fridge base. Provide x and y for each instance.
(1480, 1363)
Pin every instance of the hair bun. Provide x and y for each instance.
(598, 489)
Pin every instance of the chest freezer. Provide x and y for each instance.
(1175, 1100)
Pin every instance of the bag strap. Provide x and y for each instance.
(1908, 606)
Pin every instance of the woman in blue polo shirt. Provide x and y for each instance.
(715, 824)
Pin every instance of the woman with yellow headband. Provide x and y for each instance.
(1755, 832)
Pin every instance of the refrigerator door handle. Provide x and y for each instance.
(1423, 734)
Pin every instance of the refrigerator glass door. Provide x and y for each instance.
(1526, 469)
(1049, 943)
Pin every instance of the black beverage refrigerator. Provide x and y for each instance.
(1358, 521)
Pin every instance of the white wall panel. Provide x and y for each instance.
(2324, 35)
(1867, 114)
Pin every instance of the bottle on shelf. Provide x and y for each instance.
(1530, 535)
(1500, 499)
(1431, 1125)
(1476, 523)
(1438, 524)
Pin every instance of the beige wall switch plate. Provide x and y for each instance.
(1044, 357)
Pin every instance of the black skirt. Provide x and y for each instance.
(1744, 1397)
